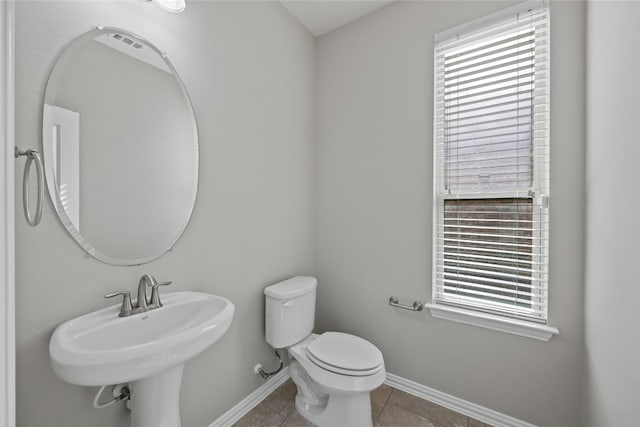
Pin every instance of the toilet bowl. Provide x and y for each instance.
(334, 372)
(329, 398)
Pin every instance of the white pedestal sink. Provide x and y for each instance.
(147, 350)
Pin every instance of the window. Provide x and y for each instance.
(491, 166)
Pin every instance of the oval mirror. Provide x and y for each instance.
(120, 147)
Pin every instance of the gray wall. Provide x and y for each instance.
(612, 287)
(374, 190)
(249, 68)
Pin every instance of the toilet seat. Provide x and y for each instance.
(345, 354)
(332, 382)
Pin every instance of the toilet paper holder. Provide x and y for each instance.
(417, 305)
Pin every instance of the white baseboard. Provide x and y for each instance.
(234, 414)
(464, 407)
(461, 406)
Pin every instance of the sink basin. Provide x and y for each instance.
(101, 348)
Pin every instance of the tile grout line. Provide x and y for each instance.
(281, 389)
(384, 405)
(284, 421)
(434, 422)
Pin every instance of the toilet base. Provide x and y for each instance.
(325, 410)
(352, 411)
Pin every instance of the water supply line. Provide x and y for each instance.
(265, 374)
(124, 393)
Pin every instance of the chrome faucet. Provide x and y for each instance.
(141, 304)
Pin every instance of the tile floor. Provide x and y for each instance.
(390, 407)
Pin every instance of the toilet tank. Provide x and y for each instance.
(290, 311)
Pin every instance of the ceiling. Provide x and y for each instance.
(322, 16)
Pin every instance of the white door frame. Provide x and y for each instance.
(7, 210)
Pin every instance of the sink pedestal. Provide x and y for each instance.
(155, 401)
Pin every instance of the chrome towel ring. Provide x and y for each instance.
(33, 156)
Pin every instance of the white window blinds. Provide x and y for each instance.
(491, 171)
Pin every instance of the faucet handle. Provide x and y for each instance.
(126, 307)
(155, 294)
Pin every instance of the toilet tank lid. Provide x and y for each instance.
(290, 288)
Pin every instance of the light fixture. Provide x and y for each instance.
(175, 6)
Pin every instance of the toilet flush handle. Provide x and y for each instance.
(288, 303)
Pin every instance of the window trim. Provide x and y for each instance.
(494, 322)
(490, 19)
(497, 322)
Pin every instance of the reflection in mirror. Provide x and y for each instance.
(120, 147)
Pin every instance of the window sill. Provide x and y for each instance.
(489, 321)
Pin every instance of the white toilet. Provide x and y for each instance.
(334, 372)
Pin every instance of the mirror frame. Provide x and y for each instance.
(68, 50)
